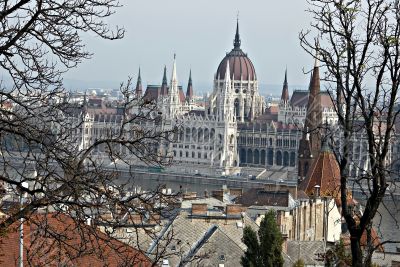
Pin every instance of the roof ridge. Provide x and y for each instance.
(230, 238)
(196, 246)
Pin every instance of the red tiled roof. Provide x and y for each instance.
(181, 95)
(57, 239)
(325, 173)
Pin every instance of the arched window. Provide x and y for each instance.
(242, 155)
(270, 157)
(285, 158)
(212, 134)
(237, 107)
(200, 135)
(194, 134)
(292, 159)
(256, 157)
(206, 135)
(249, 156)
(279, 158)
(187, 135)
(263, 157)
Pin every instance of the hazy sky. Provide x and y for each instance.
(200, 33)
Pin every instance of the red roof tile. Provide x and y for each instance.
(57, 239)
(325, 173)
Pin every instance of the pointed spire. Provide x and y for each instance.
(189, 91)
(236, 42)
(164, 81)
(164, 84)
(174, 77)
(285, 90)
(139, 89)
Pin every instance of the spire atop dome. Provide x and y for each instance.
(236, 42)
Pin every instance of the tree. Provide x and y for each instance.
(42, 135)
(266, 250)
(299, 263)
(358, 44)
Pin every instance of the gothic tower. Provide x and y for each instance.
(189, 91)
(139, 89)
(174, 105)
(310, 143)
(164, 84)
(285, 90)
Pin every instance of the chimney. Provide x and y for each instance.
(317, 190)
(218, 194)
(233, 210)
(199, 209)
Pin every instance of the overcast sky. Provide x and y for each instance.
(200, 33)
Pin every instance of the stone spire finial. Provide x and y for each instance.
(285, 89)
(139, 89)
(174, 77)
(236, 42)
(164, 84)
(189, 91)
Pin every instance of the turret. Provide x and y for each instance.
(225, 102)
(285, 90)
(189, 91)
(173, 94)
(164, 84)
(139, 89)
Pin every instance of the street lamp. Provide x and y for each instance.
(21, 227)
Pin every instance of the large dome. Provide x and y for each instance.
(240, 65)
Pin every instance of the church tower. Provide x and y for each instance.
(310, 143)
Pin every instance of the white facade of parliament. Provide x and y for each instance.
(234, 128)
